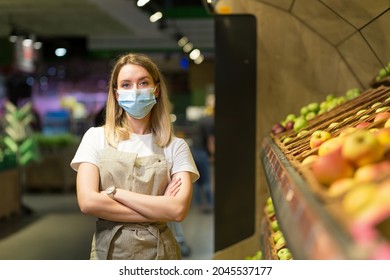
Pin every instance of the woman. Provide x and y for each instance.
(134, 175)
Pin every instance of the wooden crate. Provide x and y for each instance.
(10, 193)
(53, 172)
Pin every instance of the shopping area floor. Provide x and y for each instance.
(56, 230)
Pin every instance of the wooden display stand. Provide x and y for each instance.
(10, 193)
(53, 171)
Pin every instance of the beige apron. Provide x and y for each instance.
(134, 241)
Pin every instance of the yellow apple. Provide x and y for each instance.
(309, 159)
(383, 137)
(362, 148)
(387, 123)
(318, 137)
(347, 130)
(358, 198)
(341, 186)
(331, 145)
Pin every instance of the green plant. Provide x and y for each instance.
(18, 133)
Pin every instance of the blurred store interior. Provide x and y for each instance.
(263, 59)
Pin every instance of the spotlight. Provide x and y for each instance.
(199, 59)
(60, 52)
(194, 54)
(156, 16)
(141, 3)
(182, 41)
(188, 47)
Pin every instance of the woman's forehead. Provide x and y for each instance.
(133, 72)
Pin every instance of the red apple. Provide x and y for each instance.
(318, 137)
(372, 172)
(331, 145)
(331, 167)
(362, 148)
(362, 124)
(382, 116)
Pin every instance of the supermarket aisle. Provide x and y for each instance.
(58, 231)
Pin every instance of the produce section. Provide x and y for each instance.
(329, 179)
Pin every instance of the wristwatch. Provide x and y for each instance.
(110, 191)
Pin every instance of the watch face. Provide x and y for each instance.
(110, 190)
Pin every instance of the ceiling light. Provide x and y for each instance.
(188, 47)
(37, 45)
(12, 38)
(199, 59)
(60, 52)
(141, 3)
(156, 16)
(27, 42)
(194, 54)
(182, 41)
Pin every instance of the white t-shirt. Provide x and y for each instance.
(177, 153)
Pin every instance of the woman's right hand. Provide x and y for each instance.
(173, 187)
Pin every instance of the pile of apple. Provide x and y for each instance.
(311, 110)
(354, 169)
(277, 240)
(257, 256)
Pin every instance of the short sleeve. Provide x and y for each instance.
(183, 159)
(90, 147)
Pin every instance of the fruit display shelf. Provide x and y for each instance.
(315, 223)
(310, 231)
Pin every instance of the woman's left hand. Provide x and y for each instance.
(173, 187)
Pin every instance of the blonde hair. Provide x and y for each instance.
(116, 127)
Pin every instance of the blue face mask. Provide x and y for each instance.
(137, 102)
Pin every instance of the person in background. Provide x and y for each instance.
(203, 148)
(133, 173)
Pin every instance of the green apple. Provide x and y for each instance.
(287, 140)
(269, 208)
(313, 107)
(300, 123)
(284, 254)
(281, 242)
(304, 110)
(352, 93)
(302, 133)
(290, 117)
(333, 125)
(277, 236)
(269, 200)
(311, 115)
(275, 225)
(360, 112)
(376, 104)
(384, 108)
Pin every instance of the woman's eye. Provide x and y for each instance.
(144, 84)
